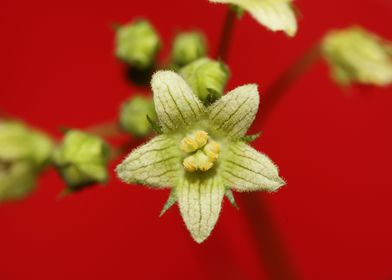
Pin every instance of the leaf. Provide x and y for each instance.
(229, 195)
(251, 138)
(169, 203)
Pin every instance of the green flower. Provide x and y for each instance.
(137, 43)
(201, 154)
(276, 15)
(207, 78)
(187, 47)
(23, 154)
(133, 116)
(82, 159)
(356, 55)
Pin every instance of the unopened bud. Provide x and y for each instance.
(188, 47)
(356, 55)
(137, 43)
(23, 154)
(133, 116)
(82, 159)
(207, 78)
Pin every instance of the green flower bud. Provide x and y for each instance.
(356, 55)
(17, 180)
(137, 43)
(82, 159)
(23, 153)
(188, 47)
(18, 142)
(133, 116)
(207, 78)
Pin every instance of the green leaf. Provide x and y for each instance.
(169, 203)
(251, 138)
(229, 195)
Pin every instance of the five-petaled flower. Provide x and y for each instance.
(200, 154)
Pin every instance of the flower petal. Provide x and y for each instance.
(175, 103)
(277, 15)
(246, 169)
(156, 163)
(200, 202)
(235, 112)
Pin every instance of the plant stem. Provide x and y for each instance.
(275, 92)
(108, 129)
(226, 34)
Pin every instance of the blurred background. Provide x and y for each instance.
(333, 146)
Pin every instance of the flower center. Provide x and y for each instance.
(202, 152)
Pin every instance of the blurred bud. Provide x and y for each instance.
(188, 47)
(207, 78)
(133, 116)
(19, 142)
(137, 43)
(356, 55)
(23, 153)
(17, 180)
(82, 159)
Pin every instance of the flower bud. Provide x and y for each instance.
(207, 78)
(17, 180)
(23, 153)
(137, 43)
(356, 55)
(133, 116)
(18, 142)
(188, 47)
(82, 159)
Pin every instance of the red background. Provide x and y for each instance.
(331, 221)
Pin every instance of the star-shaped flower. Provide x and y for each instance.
(276, 15)
(201, 154)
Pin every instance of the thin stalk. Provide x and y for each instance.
(226, 35)
(275, 92)
(109, 129)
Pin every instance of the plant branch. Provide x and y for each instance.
(108, 129)
(275, 92)
(226, 34)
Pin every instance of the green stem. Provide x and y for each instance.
(108, 129)
(226, 34)
(275, 92)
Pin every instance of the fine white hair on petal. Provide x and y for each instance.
(235, 112)
(276, 15)
(200, 202)
(175, 103)
(245, 169)
(156, 163)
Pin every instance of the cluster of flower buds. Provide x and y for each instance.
(24, 153)
(82, 159)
